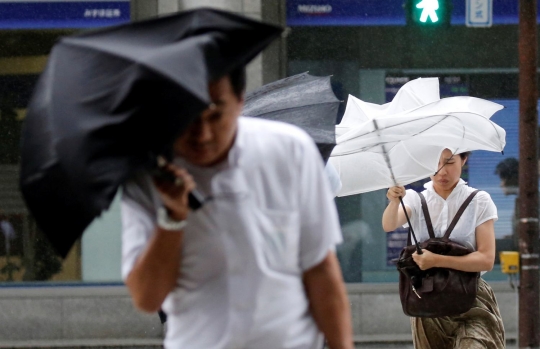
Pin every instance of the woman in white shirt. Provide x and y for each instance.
(480, 327)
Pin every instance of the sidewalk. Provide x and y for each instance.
(156, 344)
(510, 344)
(84, 344)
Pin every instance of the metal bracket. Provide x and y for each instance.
(529, 220)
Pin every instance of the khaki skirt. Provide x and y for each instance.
(479, 328)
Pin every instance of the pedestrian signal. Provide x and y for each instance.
(433, 13)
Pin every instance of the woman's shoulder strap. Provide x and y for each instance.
(425, 210)
(462, 209)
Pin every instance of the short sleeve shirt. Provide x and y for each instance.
(269, 217)
(442, 212)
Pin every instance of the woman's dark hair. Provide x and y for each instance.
(465, 155)
(238, 80)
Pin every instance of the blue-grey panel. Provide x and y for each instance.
(379, 13)
(50, 14)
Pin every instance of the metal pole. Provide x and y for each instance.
(529, 303)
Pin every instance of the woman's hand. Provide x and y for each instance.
(426, 260)
(395, 193)
(175, 193)
(393, 216)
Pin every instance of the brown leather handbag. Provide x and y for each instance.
(436, 292)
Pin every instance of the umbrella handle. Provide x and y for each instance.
(418, 249)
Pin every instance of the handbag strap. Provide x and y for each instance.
(427, 216)
(459, 213)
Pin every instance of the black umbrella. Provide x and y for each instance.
(111, 100)
(303, 100)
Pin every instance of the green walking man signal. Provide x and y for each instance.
(428, 12)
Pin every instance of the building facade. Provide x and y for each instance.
(368, 47)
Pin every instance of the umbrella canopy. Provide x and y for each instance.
(413, 94)
(111, 100)
(405, 147)
(303, 100)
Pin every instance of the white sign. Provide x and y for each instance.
(315, 9)
(479, 13)
(102, 13)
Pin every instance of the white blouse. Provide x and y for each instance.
(442, 212)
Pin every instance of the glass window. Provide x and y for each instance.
(28, 31)
(25, 254)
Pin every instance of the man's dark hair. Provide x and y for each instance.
(507, 170)
(238, 80)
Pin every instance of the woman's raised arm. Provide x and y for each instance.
(393, 215)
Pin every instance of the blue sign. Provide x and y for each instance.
(395, 241)
(345, 12)
(482, 166)
(51, 14)
(381, 13)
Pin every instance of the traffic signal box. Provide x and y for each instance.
(509, 262)
(428, 13)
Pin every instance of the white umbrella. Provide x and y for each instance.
(405, 147)
(413, 94)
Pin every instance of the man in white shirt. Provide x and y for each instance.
(255, 266)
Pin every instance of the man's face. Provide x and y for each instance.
(208, 140)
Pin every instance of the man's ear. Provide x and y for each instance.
(242, 97)
(464, 161)
(241, 101)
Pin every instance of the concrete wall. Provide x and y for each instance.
(377, 315)
(88, 316)
(73, 317)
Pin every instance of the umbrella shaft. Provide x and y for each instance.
(387, 160)
(418, 249)
(386, 157)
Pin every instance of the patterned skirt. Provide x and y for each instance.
(479, 328)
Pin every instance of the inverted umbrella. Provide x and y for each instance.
(413, 94)
(303, 100)
(110, 101)
(403, 148)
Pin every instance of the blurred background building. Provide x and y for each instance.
(371, 48)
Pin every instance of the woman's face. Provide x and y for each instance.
(450, 171)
